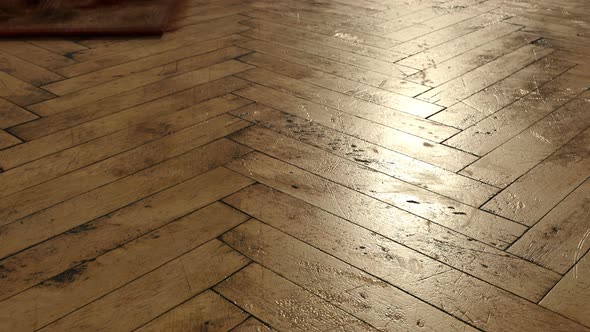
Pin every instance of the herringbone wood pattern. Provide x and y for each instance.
(349, 165)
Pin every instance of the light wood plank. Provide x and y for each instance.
(75, 116)
(135, 271)
(252, 325)
(89, 281)
(470, 60)
(332, 41)
(493, 131)
(389, 162)
(113, 46)
(84, 238)
(59, 46)
(373, 132)
(571, 296)
(156, 292)
(447, 34)
(350, 72)
(20, 92)
(485, 227)
(12, 115)
(401, 9)
(357, 90)
(96, 41)
(50, 167)
(351, 289)
(558, 43)
(421, 277)
(97, 126)
(418, 17)
(350, 58)
(572, 57)
(7, 140)
(448, 17)
(558, 241)
(462, 87)
(52, 192)
(213, 64)
(109, 60)
(503, 93)
(283, 304)
(200, 13)
(325, 10)
(455, 250)
(529, 198)
(35, 54)
(206, 311)
(112, 73)
(551, 27)
(315, 17)
(581, 70)
(435, 55)
(507, 162)
(409, 165)
(323, 27)
(395, 119)
(26, 71)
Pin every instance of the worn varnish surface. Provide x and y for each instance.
(332, 165)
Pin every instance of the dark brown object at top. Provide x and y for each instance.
(80, 17)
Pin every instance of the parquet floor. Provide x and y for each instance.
(302, 165)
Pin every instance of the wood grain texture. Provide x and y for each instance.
(570, 296)
(284, 304)
(534, 194)
(7, 140)
(558, 241)
(303, 159)
(12, 115)
(206, 311)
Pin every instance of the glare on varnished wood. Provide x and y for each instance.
(331, 165)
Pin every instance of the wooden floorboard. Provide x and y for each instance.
(330, 165)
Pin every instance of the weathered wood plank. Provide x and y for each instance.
(558, 241)
(84, 238)
(453, 249)
(131, 270)
(380, 114)
(389, 162)
(399, 141)
(75, 116)
(491, 132)
(94, 126)
(12, 115)
(474, 301)
(571, 296)
(507, 163)
(533, 195)
(206, 311)
(47, 194)
(284, 304)
(472, 222)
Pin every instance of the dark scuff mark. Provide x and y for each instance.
(362, 160)
(4, 271)
(82, 228)
(67, 276)
(70, 55)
